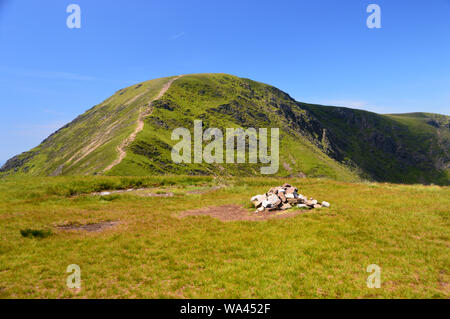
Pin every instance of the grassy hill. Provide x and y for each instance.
(316, 141)
(88, 144)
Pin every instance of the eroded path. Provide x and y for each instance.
(121, 148)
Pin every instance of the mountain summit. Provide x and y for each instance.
(130, 134)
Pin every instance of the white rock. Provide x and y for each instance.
(325, 204)
(257, 200)
(286, 206)
(274, 200)
(266, 204)
(105, 193)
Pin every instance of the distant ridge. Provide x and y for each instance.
(315, 141)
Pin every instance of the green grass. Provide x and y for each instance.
(153, 254)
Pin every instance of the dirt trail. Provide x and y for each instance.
(140, 126)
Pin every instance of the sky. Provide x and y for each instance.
(318, 51)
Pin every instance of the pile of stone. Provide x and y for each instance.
(284, 197)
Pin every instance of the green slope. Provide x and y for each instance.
(317, 141)
(224, 101)
(88, 144)
(407, 148)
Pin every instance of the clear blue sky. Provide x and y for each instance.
(318, 51)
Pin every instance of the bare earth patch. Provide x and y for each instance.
(95, 227)
(228, 213)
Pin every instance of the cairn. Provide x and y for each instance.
(284, 197)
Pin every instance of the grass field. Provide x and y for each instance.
(152, 253)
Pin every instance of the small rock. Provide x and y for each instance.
(291, 190)
(285, 206)
(325, 204)
(274, 200)
(105, 193)
(317, 206)
(266, 204)
(257, 200)
(310, 203)
(281, 196)
(293, 200)
(303, 206)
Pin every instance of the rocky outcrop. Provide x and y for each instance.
(18, 161)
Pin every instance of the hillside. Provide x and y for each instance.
(407, 148)
(316, 141)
